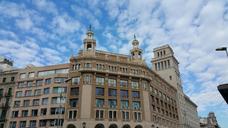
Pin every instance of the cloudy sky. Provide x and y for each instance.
(47, 32)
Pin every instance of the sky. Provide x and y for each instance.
(45, 32)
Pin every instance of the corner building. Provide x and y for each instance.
(108, 90)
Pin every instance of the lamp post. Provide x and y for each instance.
(222, 49)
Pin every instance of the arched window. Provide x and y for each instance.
(126, 126)
(71, 126)
(89, 46)
(113, 126)
(138, 126)
(99, 126)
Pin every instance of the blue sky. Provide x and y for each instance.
(47, 32)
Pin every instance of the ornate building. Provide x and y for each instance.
(209, 122)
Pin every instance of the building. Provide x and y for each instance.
(7, 84)
(108, 90)
(209, 122)
(97, 89)
(5, 64)
(39, 97)
(166, 65)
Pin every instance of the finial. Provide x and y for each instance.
(134, 36)
(90, 27)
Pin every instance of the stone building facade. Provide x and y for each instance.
(209, 122)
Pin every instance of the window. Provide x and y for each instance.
(22, 75)
(99, 91)
(34, 112)
(124, 104)
(59, 90)
(19, 94)
(170, 77)
(14, 114)
(30, 83)
(137, 116)
(46, 73)
(28, 92)
(58, 100)
(32, 124)
(72, 114)
(112, 115)
(74, 91)
(112, 103)
(37, 92)
(12, 79)
(61, 71)
(123, 83)
(24, 113)
(123, 93)
(134, 85)
(31, 75)
(22, 124)
(59, 80)
(76, 80)
(99, 114)
(56, 122)
(42, 123)
(100, 81)
(46, 91)
(13, 124)
(55, 111)
(87, 65)
(36, 102)
(43, 111)
(48, 81)
(17, 103)
(21, 84)
(135, 94)
(45, 101)
(125, 115)
(4, 80)
(112, 92)
(136, 105)
(99, 103)
(26, 103)
(111, 82)
(1, 92)
(73, 102)
(39, 82)
(87, 79)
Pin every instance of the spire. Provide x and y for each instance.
(89, 32)
(135, 42)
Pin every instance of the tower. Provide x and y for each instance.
(89, 42)
(136, 52)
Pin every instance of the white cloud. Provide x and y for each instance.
(25, 23)
(47, 6)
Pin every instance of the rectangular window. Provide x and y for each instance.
(22, 124)
(34, 112)
(112, 103)
(48, 81)
(135, 94)
(42, 123)
(136, 105)
(62, 71)
(87, 79)
(59, 80)
(4, 80)
(123, 83)
(28, 93)
(37, 92)
(99, 114)
(125, 115)
(24, 113)
(45, 101)
(1, 92)
(112, 92)
(19, 94)
(30, 83)
(123, 93)
(74, 91)
(55, 111)
(112, 115)
(88, 65)
(99, 103)
(59, 90)
(13, 124)
(124, 104)
(99, 81)
(22, 84)
(46, 91)
(73, 102)
(31, 75)
(134, 85)
(12, 79)
(76, 80)
(22, 75)
(99, 91)
(43, 111)
(17, 103)
(32, 124)
(14, 114)
(46, 73)
(58, 100)
(26, 103)
(72, 114)
(111, 82)
(36, 102)
(39, 82)
(137, 116)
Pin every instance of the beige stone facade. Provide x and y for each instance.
(166, 65)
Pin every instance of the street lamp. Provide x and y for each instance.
(84, 124)
(222, 49)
